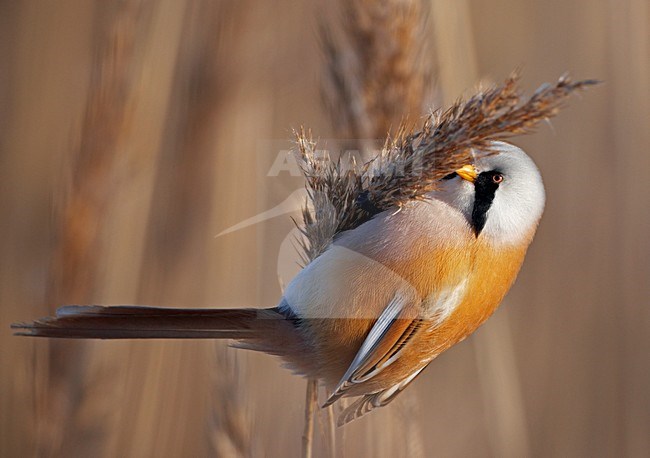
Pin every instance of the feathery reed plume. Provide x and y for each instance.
(343, 196)
(377, 71)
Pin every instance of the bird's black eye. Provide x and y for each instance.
(497, 178)
(450, 176)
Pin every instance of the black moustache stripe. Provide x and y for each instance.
(485, 190)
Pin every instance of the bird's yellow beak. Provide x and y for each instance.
(467, 172)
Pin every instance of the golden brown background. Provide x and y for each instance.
(134, 131)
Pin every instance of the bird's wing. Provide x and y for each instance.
(400, 321)
(392, 331)
(368, 402)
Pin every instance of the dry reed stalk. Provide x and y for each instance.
(378, 73)
(175, 256)
(77, 257)
(501, 391)
(311, 400)
(453, 36)
(343, 196)
(229, 426)
(377, 67)
(330, 430)
(626, 408)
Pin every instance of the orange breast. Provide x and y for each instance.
(489, 272)
(493, 272)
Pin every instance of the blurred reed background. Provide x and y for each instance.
(134, 131)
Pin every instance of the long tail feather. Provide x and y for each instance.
(139, 322)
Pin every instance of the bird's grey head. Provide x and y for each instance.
(501, 195)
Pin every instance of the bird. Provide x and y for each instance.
(369, 314)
